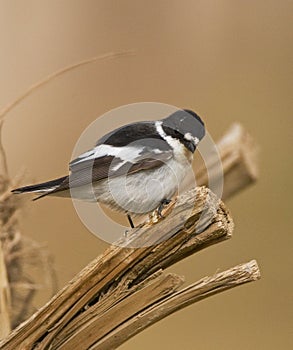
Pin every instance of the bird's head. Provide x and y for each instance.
(186, 126)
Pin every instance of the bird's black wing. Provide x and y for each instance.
(131, 133)
(129, 149)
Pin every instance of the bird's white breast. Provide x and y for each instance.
(139, 192)
(143, 191)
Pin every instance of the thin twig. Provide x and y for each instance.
(54, 75)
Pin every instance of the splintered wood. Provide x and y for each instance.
(126, 289)
(233, 161)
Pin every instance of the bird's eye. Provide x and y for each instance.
(191, 138)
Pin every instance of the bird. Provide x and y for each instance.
(134, 169)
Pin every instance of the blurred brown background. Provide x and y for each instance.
(230, 60)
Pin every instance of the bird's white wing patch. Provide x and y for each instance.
(126, 153)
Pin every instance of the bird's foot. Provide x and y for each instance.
(163, 210)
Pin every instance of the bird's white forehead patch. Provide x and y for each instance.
(189, 137)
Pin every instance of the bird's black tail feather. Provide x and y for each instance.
(43, 188)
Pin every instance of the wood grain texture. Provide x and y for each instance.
(235, 161)
(200, 290)
(130, 269)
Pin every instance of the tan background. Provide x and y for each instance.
(228, 60)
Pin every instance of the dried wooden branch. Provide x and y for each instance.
(108, 284)
(238, 158)
(202, 289)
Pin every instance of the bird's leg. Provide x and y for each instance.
(130, 221)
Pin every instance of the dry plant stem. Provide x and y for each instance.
(14, 245)
(5, 298)
(5, 327)
(202, 289)
(56, 74)
(3, 160)
(19, 254)
(120, 268)
(238, 155)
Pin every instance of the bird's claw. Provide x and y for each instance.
(162, 211)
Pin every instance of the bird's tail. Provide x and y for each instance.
(43, 188)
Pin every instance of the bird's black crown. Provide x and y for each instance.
(186, 126)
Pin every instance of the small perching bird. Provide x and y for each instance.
(135, 168)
